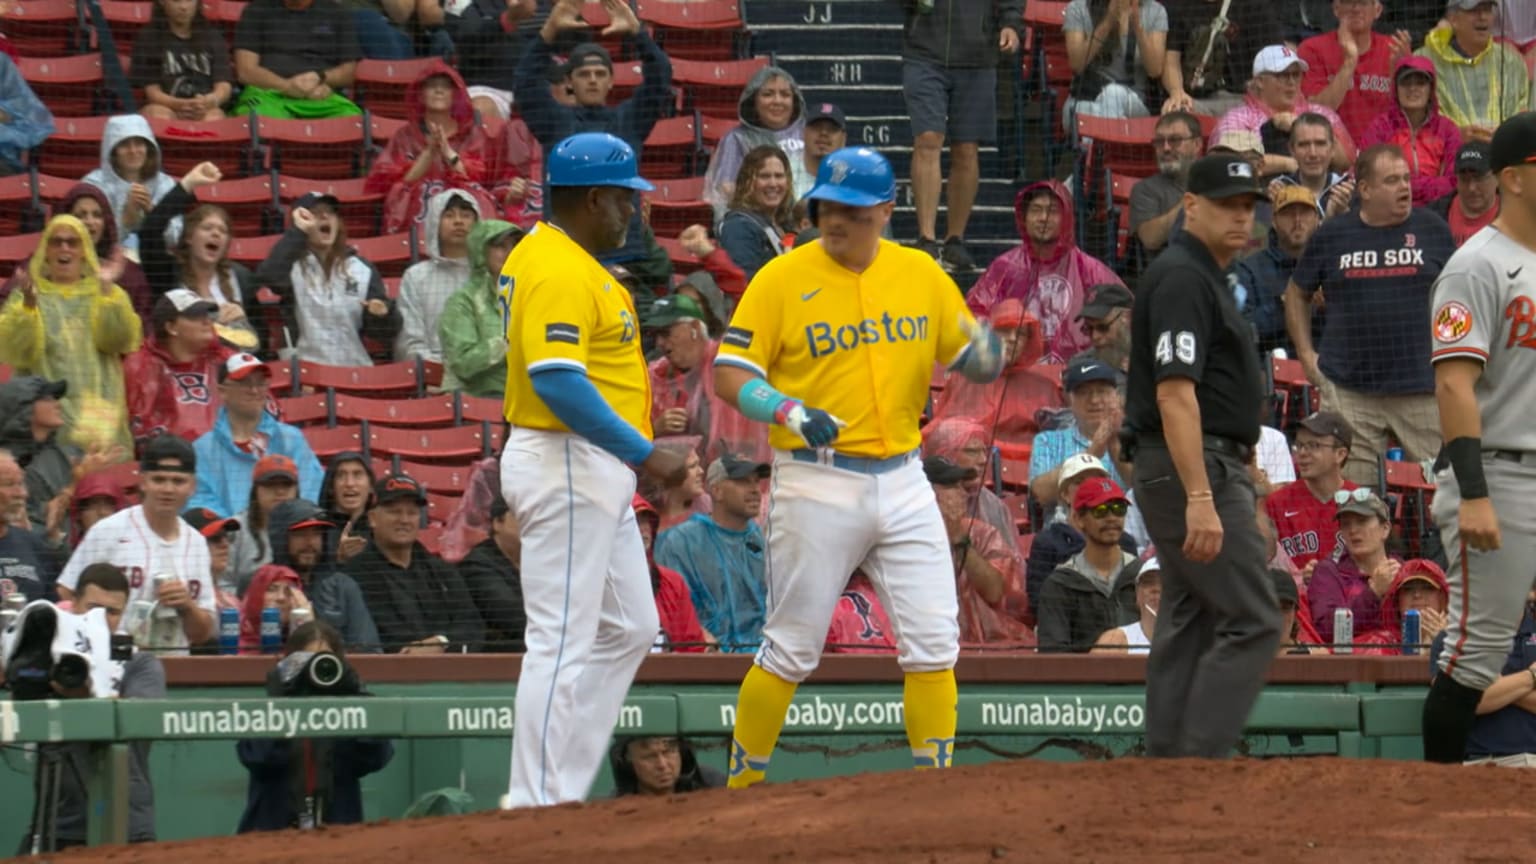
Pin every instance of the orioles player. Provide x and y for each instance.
(1484, 328)
(853, 324)
(578, 400)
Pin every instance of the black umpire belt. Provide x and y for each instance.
(1523, 457)
(1215, 443)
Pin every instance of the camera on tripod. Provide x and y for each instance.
(49, 654)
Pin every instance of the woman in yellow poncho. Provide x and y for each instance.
(66, 319)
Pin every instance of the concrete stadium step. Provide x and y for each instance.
(857, 99)
(827, 39)
(846, 70)
(764, 13)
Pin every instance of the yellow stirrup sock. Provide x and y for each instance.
(929, 700)
(760, 709)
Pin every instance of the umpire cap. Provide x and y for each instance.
(856, 176)
(595, 159)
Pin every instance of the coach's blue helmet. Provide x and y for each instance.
(595, 159)
(856, 176)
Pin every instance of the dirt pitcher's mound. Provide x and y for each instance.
(1125, 810)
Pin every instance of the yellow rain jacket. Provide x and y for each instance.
(1477, 91)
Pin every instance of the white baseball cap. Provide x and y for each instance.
(239, 366)
(1276, 59)
(1079, 464)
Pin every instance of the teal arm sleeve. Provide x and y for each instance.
(757, 400)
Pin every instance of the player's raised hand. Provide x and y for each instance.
(1479, 524)
(816, 426)
(665, 465)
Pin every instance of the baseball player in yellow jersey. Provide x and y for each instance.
(854, 324)
(578, 399)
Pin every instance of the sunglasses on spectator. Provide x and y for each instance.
(1104, 511)
(1092, 327)
(1344, 496)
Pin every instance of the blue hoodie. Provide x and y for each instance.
(224, 470)
(30, 122)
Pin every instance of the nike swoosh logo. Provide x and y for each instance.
(1290, 513)
(818, 291)
(1514, 273)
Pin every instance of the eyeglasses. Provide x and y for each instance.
(1359, 496)
(1313, 446)
(1103, 511)
(252, 384)
(1104, 326)
(1170, 140)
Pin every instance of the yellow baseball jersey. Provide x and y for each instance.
(860, 346)
(561, 309)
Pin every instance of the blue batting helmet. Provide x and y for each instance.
(857, 176)
(595, 159)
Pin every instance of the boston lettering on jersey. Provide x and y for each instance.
(825, 340)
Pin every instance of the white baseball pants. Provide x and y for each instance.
(591, 613)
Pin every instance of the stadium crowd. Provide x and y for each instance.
(308, 429)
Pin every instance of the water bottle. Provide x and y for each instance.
(11, 610)
(1343, 631)
(1394, 454)
(1411, 631)
(271, 630)
(299, 617)
(229, 630)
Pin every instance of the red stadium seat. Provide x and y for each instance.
(309, 409)
(1120, 146)
(226, 143)
(473, 409)
(361, 211)
(251, 203)
(15, 251)
(5, 373)
(678, 203)
(69, 86)
(389, 379)
(328, 441)
(672, 148)
(74, 148)
(428, 411)
(682, 260)
(42, 28)
(439, 479)
(251, 251)
(226, 14)
(51, 190)
(712, 129)
(20, 209)
(459, 444)
(126, 18)
(332, 148)
(381, 84)
(714, 88)
(1295, 395)
(284, 378)
(390, 254)
(431, 538)
(440, 507)
(431, 375)
(697, 30)
(1015, 474)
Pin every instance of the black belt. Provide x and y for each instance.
(1523, 457)
(1215, 443)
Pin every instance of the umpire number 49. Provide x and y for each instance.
(1171, 345)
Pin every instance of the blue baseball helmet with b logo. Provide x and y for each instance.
(595, 159)
(856, 176)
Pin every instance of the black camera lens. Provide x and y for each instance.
(326, 670)
(71, 671)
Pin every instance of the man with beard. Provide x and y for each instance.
(1262, 276)
(297, 531)
(1106, 319)
(1376, 267)
(1157, 201)
(721, 554)
(345, 494)
(826, 130)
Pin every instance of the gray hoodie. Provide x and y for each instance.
(427, 285)
(720, 179)
(116, 187)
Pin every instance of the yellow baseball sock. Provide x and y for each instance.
(929, 700)
(760, 709)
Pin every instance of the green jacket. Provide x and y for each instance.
(472, 332)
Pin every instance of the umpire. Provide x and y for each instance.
(1192, 412)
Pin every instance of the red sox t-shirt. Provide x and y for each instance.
(1305, 526)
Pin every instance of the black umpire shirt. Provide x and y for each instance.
(1185, 324)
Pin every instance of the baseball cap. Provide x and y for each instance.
(23, 390)
(1514, 142)
(1080, 372)
(1240, 141)
(826, 111)
(306, 514)
(1007, 314)
(588, 54)
(1370, 506)
(1292, 195)
(730, 467)
(1329, 423)
(671, 309)
(1467, 5)
(168, 453)
(1077, 465)
(274, 466)
(309, 200)
(942, 472)
(396, 487)
(1105, 299)
(1096, 491)
(1226, 176)
(208, 523)
(184, 302)
(1149, 567)
(1273, 59)
(1285, 586)
(1423, 570)
(240, 366)
(1473, 158)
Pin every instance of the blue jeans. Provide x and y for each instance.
(379, 38)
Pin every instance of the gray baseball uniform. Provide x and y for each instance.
(1485, 310)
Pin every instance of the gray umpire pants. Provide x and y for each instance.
(1218, 624)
